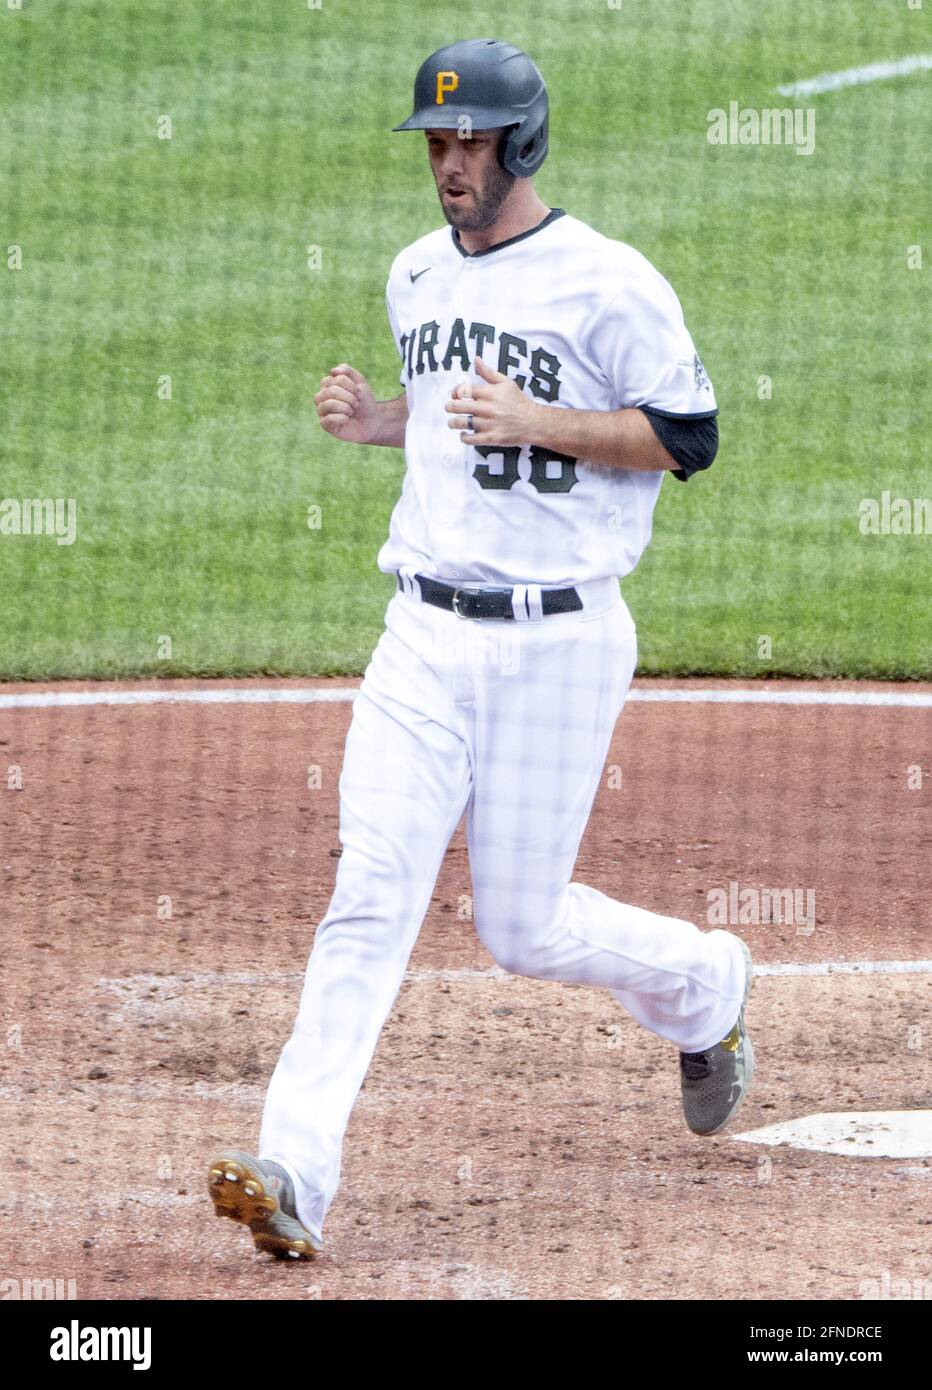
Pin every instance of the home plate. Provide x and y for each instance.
(863, 1134)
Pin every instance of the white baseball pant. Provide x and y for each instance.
(509, 722)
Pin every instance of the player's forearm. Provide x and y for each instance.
(390, 422)
(620, 438)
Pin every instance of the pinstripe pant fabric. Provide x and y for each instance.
(509, 723)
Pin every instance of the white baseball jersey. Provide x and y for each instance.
(580, 322)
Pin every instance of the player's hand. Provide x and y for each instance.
(346, 406)
(501, 413)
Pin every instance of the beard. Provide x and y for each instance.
(480, 211)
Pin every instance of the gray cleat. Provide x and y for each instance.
(260, 1194)
(715, 1082)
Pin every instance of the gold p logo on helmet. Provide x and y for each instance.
(446, 82)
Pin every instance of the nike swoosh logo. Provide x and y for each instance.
(419, 274)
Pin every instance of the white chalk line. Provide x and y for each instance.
(856, 77)
(152, 1198)
(228, 695)
(159, 998)
(894, 699)
(103, 1201)
(227, 1093)
(202, 979)
(150, 995)
(298, 695)
(845, 967)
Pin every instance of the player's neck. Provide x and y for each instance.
(521, 211)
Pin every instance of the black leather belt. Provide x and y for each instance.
(490, 602)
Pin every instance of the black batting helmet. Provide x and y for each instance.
(491, 85)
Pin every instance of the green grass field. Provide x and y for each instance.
(186, 258)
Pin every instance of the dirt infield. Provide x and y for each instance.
(163, 868)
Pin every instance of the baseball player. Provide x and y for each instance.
(548, 385)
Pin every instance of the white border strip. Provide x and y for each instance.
(225, 695)
(788, 697)
(856, 77)
(297, 695)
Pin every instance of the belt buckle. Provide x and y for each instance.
(460, 594)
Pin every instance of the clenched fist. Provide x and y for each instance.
(346, 406)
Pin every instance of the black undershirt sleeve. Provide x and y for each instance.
(691, 440)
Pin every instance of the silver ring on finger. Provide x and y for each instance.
(469, 424)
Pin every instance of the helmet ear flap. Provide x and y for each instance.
(523, 157)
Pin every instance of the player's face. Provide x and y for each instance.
(471, 184)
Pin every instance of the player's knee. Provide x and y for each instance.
(517, 947)
(514, 961)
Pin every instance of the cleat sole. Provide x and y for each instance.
(238, 1192)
